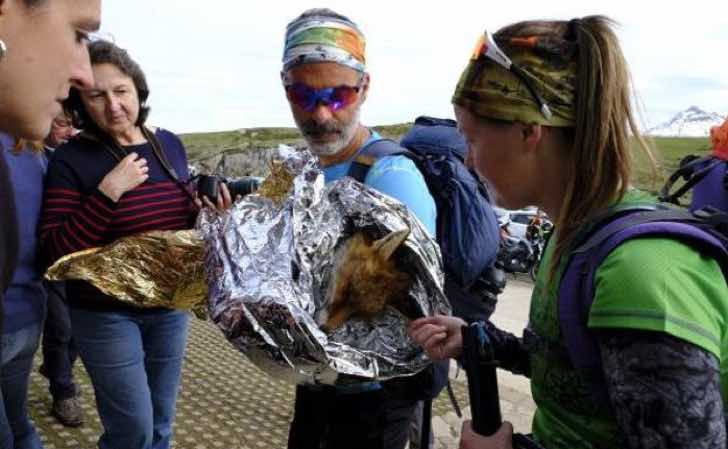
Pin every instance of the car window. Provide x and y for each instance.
(521, 218)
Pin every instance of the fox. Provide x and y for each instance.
(366, 279)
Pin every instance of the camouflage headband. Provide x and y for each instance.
(488, 89)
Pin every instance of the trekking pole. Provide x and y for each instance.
(480, 366)
(426, 428)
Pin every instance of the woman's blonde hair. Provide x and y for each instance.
(25, 144)
(599, 158)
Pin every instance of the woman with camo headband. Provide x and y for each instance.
(546, 108)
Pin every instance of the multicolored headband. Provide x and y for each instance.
(324, 39)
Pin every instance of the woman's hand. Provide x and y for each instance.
(129, 173)
(223, 202)
(440, 336)
(502, 439)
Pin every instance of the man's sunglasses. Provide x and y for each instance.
(335, 98)
(487, 47)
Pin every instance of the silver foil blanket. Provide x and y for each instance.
(269, 266)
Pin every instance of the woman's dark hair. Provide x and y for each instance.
(105, 52)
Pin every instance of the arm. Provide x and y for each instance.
(70, 221)
(509, 350)
(441, 337)
(665, 391)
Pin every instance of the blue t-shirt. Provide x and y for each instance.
(25, 298)
(398, 177)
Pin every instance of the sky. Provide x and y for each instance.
(214, 65)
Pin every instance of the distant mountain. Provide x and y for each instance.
(692, 122)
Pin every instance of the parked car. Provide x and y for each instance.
(516, 221)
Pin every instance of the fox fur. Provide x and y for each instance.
(366, 278)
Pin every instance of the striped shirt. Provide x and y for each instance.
(77, 216)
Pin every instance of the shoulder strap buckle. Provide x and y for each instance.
(715, 217)
(370, 153)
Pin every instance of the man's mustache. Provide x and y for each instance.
(312, 128)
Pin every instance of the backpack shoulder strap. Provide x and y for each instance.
(692, 171)
(576, 289)
(370, 153)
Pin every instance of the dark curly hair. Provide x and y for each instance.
(105, 52)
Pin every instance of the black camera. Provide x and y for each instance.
(209, 186)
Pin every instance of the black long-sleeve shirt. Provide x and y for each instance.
(665, 392)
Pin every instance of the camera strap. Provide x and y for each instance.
(159, 152)
(119, 153)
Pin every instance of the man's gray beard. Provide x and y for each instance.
(346, 136)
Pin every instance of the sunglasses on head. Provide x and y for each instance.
(335, 98)
(487, 47)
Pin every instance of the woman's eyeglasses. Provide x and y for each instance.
(487, 47)
(335, 98)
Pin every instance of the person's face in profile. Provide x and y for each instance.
(61, 131)
(55, 33)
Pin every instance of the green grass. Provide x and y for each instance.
(203, 145)
(669, 150)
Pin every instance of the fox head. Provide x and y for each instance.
(366, 278)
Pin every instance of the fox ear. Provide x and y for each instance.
(387, 245)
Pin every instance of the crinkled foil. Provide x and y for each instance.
(269, 264)
(154, 269)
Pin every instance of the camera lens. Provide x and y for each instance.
(208, 186)
(244, 186)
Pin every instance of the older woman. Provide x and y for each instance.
(117, 178)
(54, 32)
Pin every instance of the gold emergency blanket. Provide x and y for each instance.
(153, 269)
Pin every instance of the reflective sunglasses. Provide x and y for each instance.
(487, 47)
(335, 98)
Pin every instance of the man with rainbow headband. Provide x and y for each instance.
(326, 83)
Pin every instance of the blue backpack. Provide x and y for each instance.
(467, 228)
(706, 230)
(467, 231)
